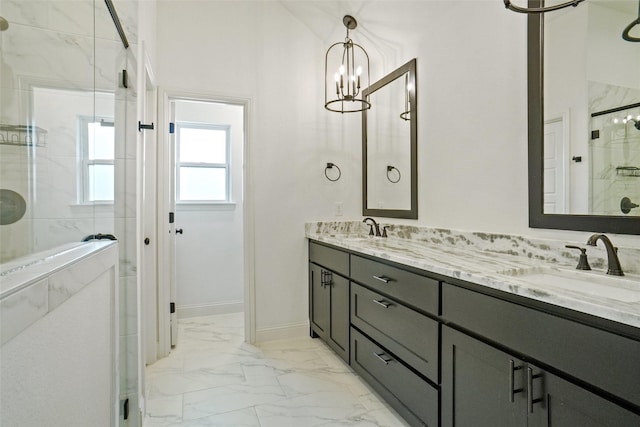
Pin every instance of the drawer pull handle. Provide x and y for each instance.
(382, 303)
(384, 279)
(382, 358)
(512, 391)
(530, 399)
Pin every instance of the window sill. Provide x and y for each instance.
(205, 206)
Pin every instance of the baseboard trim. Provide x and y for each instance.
(187, 311)
(297, 330)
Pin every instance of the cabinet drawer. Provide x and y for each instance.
(409, 288)
(603, 359)
(413, 398)
(329, 258)
(408, 334)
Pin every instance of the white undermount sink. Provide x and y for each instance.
(594, 283)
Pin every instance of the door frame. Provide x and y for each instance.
(564, 118)
(165, 96)
(146, 256)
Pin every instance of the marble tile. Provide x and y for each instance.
(23, 308)
(298, 382)
(163, 411)
(66, 283)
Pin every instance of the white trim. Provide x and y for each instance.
(187, 311)
(146, 301)
(284, 332)
(196, 207)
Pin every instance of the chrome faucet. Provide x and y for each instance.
(375, 224)
(614, 267)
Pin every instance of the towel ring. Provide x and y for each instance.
(626, 33)
(389, 169)
(331, 166)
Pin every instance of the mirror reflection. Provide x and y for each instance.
(389, 146)
(591, 111)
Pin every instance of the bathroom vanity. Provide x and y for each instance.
(453, 334)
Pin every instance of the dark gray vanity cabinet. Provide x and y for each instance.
(410, 395)
(483, 385)
(395, 336)
(329, 297)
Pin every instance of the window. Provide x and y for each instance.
(97, 152)
(202, 173)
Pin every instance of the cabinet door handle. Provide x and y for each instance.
(383, 278)
(530, 399)
(382, 358)
(512, 391)
(382, 303)
(325, 278)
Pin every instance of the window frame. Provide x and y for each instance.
(226, 166)
(84, 162)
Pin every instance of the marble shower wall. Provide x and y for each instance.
(70, 50)
(616, 151)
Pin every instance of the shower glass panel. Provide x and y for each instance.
(58, 77)
(67, 156)
(615, 161)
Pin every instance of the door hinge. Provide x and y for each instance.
(142, 126)
(125, 409)
(595, 134)
(172, 128)
(171, 218)
(172, 307)
(125, 79)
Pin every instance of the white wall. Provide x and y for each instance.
(472, 104)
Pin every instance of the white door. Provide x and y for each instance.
(555, 160)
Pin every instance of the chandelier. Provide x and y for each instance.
(346, 74)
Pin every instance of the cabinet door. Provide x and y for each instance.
(338, 288)
(559, 403)
(319, 303)
(481, 386)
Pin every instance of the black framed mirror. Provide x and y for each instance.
(390, 146)
(600, 174)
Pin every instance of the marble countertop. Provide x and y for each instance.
(593, 292)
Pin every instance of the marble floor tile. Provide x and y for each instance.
(213, 378)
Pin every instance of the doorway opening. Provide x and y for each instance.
(209, 145)
(205, 257)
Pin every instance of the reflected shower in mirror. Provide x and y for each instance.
(389, 131)
(584, 147)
